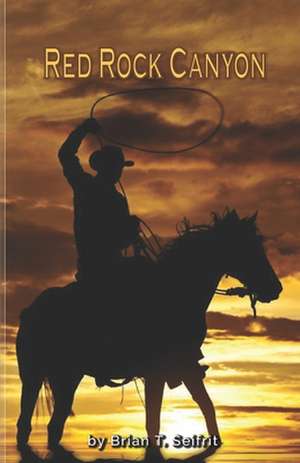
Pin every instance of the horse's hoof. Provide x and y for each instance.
(22, 440)
(153, 454)
(217, 441)
(27, 453)
(22, 446)
(53, 445)
(59, 451)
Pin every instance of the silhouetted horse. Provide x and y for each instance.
(143, 320)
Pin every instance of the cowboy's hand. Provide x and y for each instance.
(91, 125)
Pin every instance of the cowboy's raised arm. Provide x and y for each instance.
(72, 168)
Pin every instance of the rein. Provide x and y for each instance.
(240, 291)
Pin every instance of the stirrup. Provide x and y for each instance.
(100, 382)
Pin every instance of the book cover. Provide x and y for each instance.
(150, 246)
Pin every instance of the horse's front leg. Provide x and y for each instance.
(154, 388)
(193, 380)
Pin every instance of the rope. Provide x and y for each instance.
(144, 243)
(139, 394)
(151, 89)
(122, 395)
(156, 239)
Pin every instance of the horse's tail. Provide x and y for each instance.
(31, 368)
(27, 349)
(46, 397)
(45, 401)
(31, 342)
(31, 356)
(33, 349)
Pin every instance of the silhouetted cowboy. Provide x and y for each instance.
(102, 224)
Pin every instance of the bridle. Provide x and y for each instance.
(240, 291)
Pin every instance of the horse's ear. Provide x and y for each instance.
(234, 215)
(253, 217)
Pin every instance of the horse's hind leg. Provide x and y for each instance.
(30, 391)
(154, 388)
(31, 377)
(63, 389)
(193, 380)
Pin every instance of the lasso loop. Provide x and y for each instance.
(152, 89)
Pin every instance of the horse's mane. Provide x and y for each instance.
(222, 226)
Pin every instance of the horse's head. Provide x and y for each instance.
(243, 255)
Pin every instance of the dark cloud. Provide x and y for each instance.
(273, 328)
(284, 252)
(247, 380)
(244, 409)
(238, 146)
(19, 17)
(287, 244)
(10, 335)
(289, 370)
(293, 417)
(276, 200)
(36, 252)
(57, 127)
(290, 155)
(144, 130)
(270, 431)
(79, 89)
(37, 257)
(141, 96)
(253, 372)
(20, 295)
(259, 408)
(249, 143)
(161, 187)
(49, 200)
(37, 191)
(93, 86)
(150, 131)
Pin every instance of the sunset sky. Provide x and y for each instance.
(251, 164)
